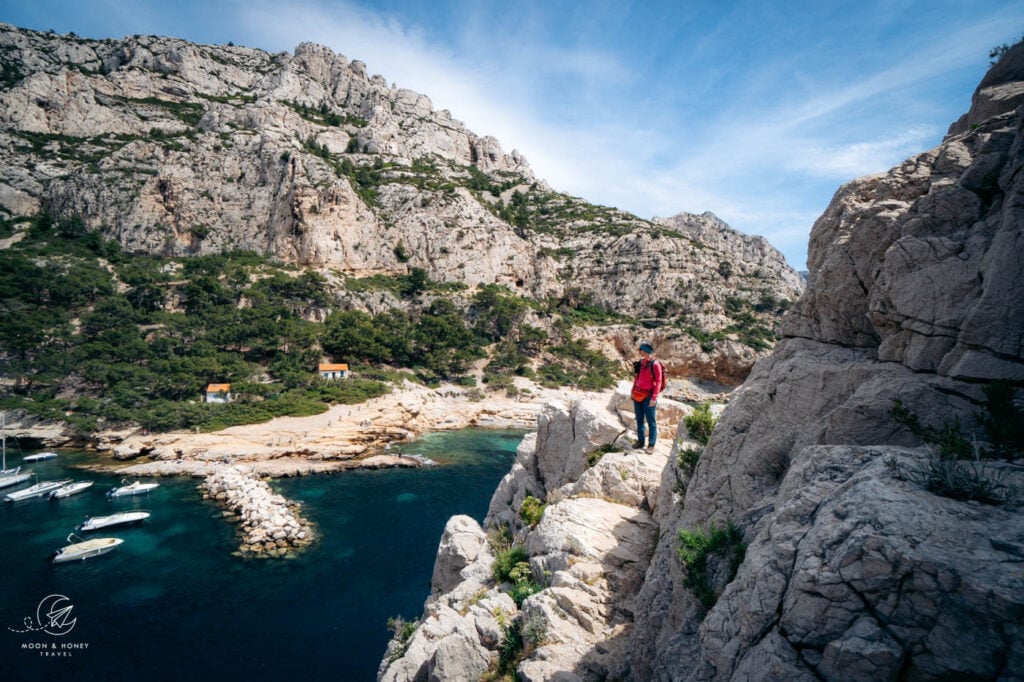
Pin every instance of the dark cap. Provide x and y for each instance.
(646, 347)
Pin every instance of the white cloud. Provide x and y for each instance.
(765, 154)
(861, 158)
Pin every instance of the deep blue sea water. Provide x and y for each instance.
(172, 603)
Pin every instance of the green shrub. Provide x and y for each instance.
(688, 458)
(1003, 421)
(532, 510)
(964, 479)
(700, 424)
(594, 456)
(523, 584)
(949, 441)
(697, 547)
(512, 649)
(401, 628)
(505, 560)
(534, 632)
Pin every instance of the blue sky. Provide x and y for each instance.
(756, 111)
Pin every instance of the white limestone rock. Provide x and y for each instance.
(461, 545)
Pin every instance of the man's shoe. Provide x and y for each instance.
(638, 445)
(650, 448)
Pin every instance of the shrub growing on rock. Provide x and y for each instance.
(532, 510)
(688, 457)
(700, 423)
(507, 559)
(704, 555)
(955, 467)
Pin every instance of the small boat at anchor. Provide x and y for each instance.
(39, 457)
(136, 488)
(70, 489)
(84, 549)
(7, 480)
(121, 519)
(37, 490)
(8, 477)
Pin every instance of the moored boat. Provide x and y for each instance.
(36, 490)
(39, 457)
(136, 488)
(7, 480)
(84, 549)
(121, 519)
(70, 489)
(8, 477)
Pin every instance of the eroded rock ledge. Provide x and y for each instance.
(588, 552)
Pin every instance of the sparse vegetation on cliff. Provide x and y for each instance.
(711, 559)
(700, 424)
(959, 466)
(532, 511)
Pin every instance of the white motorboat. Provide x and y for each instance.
(70, 489)
(84, 548)
(121, 519)
(39, 457)
(37, 490)
(136, 488)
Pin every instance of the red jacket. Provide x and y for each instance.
(647, 381)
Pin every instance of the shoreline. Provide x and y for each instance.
(344, 437)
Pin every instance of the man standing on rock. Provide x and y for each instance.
(648, 382)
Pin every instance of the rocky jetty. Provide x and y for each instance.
(858, 511)
(269, 525)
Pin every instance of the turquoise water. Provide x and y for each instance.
(173, 603)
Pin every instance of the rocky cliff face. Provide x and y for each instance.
(854, 567)
(177, 149)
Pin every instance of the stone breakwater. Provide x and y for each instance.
(270, 524)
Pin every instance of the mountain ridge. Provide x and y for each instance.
(304, 157)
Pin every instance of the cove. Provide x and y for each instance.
(173, 603)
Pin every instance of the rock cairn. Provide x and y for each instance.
(270, 525)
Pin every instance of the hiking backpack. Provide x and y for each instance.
(650, 366)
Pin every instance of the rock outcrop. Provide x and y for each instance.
(854, 569)
(586, 557)
(840, 559)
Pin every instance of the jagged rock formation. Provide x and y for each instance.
(174, 148)
(588, 552)
(854, 572)
(854, 569)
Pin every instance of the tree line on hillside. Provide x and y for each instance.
(96, 336)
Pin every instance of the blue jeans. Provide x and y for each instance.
(645, 412)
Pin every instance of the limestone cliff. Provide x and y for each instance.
(174, 148)
(854, 570)
(825, 462)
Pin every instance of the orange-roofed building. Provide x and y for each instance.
(218, 393)
(331, 370)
